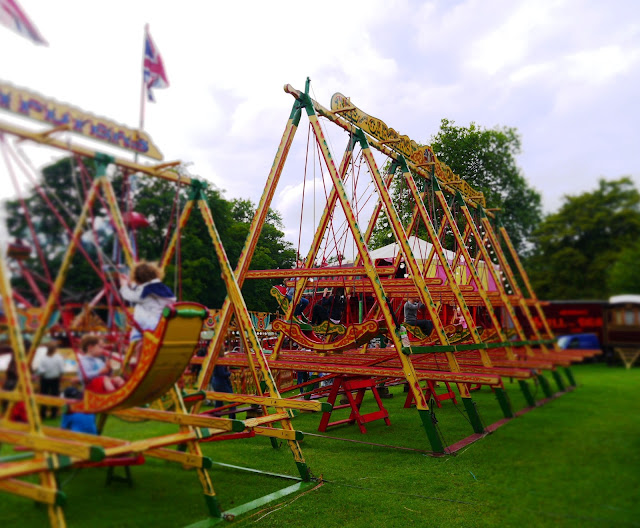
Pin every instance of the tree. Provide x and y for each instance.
(623, 276)
(575, 247)
(271, 252)
(194, 272)
(486, 159)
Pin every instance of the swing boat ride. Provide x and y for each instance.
(495, 338)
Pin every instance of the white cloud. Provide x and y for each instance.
(601, 65)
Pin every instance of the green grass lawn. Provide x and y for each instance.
(574, 462)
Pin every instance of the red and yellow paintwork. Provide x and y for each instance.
(165, 354)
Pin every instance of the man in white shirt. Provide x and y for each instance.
(50, 370)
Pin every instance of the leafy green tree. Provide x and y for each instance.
(623, 276)
(486, 159)
(575, 248)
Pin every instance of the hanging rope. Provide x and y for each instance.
(178, 256)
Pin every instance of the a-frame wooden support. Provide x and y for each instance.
(55, 448)
(254, 352)
(431, 393)
(348, 385)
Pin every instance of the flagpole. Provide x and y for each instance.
(142, 86)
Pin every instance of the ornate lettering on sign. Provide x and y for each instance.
(378, 129)
(412, 151)
(35, 106)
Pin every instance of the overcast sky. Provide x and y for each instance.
(564, 73)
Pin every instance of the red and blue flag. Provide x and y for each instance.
(12, 16)
(154, 74)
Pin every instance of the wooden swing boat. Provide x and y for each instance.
(324, 328)
(311, 337)
(355, 336)
(165, 354)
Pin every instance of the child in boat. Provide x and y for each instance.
(411, 308)
(95, 372)
(459, 318)
(149, 295)
(320, 310)
(298, 312)
(337, 303)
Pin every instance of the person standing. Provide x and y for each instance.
(221, 382)
(50, 370)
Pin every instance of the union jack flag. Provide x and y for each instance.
(12, 16)
(154, 74)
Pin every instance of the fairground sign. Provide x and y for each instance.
(35, 106)
(420, 155)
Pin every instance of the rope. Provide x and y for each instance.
(304, 185)
(178, 256)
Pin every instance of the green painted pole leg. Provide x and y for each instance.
(544, 383)
(569, 374)
(559, 382)
(504, 402)
(303, 469)
(432, 433)
(472, 413)
(526, 392)
(213, 506)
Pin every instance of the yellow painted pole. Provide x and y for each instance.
(245, 327)
(244, 260)
(504, 265)
(47, 479)
(532, 293)
(182, 222)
